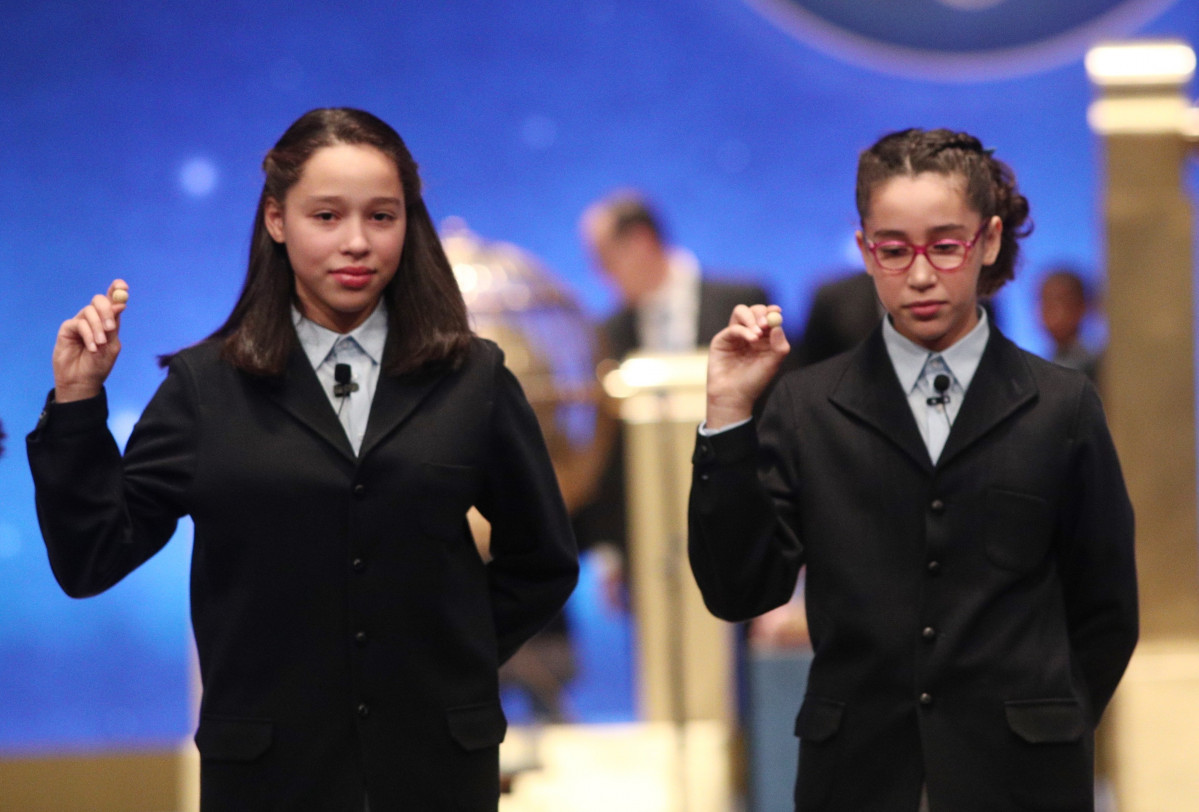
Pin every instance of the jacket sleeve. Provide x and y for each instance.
(742, 542)
(102, 515)
(534, 563)
(1096, 558)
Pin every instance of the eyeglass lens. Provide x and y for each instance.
(944, 255)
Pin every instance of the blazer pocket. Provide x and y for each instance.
(819, 719)
(1050, 760)
(820, 757)
(1017, 529)
(447, 493)
(1046, 721)
(477, 726)
(222, 738)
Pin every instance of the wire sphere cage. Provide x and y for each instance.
(548, 341)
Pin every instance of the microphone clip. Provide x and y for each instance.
(941, 384)
(343, 386)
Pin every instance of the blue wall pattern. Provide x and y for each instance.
(132, 135)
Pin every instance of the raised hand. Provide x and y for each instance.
(88, 344)
(742, 359)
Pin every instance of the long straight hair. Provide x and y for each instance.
(427, 322)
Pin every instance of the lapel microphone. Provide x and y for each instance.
(941, 384)
(343, 386)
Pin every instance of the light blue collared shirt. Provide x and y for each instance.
(909, 358)
(362, 349)
(962, 359)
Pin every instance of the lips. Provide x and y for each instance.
(353, 277)
(924, 310)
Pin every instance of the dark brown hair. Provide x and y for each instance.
(1071, 279)
(427, 322)
(628, 211)
(990, 186)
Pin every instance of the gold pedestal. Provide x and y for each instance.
(685, 657)
(684, 660)
(1156, 720)
(111, 781)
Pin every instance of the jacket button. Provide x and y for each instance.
(360, 490)
(934, 567)
(358, 564)
(925, 699)
(364, 710)
(937, 506)
(929, 633)
(360, 638)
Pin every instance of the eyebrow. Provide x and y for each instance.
(395, 201)
(894, 233)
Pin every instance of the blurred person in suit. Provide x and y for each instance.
(1064, 302)
(844, 311)
(668, 303)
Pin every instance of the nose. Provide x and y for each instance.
(922, 274)
(355, 242)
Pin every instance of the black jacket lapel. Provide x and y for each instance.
(870, 390)
(1002, 384)
(621, 333)
(395, 399)
(713, 315)
(300, 394)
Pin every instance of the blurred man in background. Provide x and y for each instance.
(668, 303)
(1064, 304)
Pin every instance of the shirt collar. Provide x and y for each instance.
(682, 273)
(962, 358)
(317, 341)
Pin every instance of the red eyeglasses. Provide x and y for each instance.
(896, 256)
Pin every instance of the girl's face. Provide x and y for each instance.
(932, 308)
(343, 224)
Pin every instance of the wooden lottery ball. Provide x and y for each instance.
(774, 319)
(120, 296)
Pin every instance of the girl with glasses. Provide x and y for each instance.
(957, 503)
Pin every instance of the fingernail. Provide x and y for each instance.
(110, 325)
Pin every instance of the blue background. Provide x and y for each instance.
(131, 139)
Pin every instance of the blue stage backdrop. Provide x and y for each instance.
(132, 135)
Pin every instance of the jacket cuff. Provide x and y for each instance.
(726, 448)
(58, 419)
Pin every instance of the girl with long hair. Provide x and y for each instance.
(327, 442)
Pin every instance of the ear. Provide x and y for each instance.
(994, 232)
(860, 239)
(272, 218)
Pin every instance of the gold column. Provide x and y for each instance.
(1147, 128)
(109, 781)
(684, 661)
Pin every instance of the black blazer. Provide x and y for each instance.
(604, 519)
(843, 313)
(348, 632)
(971, 619)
